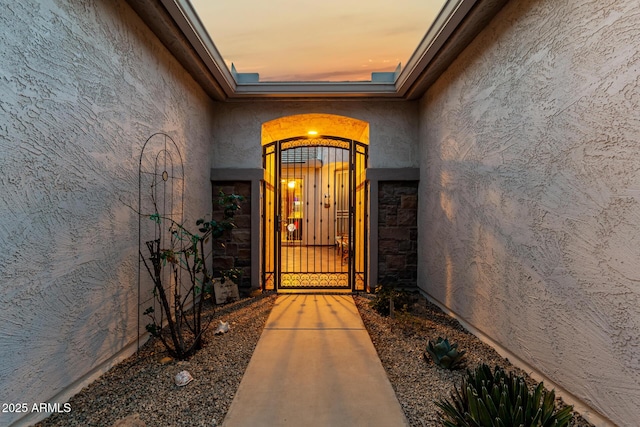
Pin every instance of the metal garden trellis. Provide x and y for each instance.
(161, 174)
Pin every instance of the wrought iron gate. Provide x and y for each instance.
(314, 214)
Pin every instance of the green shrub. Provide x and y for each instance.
(446, 355)
(181, 297)
(383, 296)
(487, 399)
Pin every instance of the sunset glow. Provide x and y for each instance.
(329, 40)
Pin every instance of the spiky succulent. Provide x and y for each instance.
(487, 399)
(446, 355)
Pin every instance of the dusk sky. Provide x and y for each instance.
(305, 40)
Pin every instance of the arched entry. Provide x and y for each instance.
(314, 214)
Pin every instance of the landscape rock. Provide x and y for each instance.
(130, 421)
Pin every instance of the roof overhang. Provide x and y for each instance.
(180, 30)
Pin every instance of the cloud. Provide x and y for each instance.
(307, 40)
(324, 76)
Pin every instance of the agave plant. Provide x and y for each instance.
(446, 355)
(487, 399)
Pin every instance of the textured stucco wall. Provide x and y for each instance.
(82, 86)
(393, 129)
(530, 193)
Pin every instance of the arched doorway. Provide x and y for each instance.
(314, 214)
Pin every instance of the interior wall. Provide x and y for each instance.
(83, 84)
(306, 216)
(393, 129)
(530, 193)
(319, 180)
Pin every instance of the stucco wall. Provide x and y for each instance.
(82, 86)
(393, 129)
(530, 193)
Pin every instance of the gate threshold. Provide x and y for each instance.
(317, 291)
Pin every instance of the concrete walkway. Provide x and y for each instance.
(315, 365)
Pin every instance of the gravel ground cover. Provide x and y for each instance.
(401, 342)
(141, 389)
(144, 386)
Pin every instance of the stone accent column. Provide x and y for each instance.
(398, 233)
(236, 252)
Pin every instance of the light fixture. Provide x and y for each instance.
(327, 201)
(291, 184)
(313, 132)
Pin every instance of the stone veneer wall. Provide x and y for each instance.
(83, 84)
(236, 252)
(530, 194)
(397, 233)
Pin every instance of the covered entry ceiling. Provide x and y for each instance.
(321, 124)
